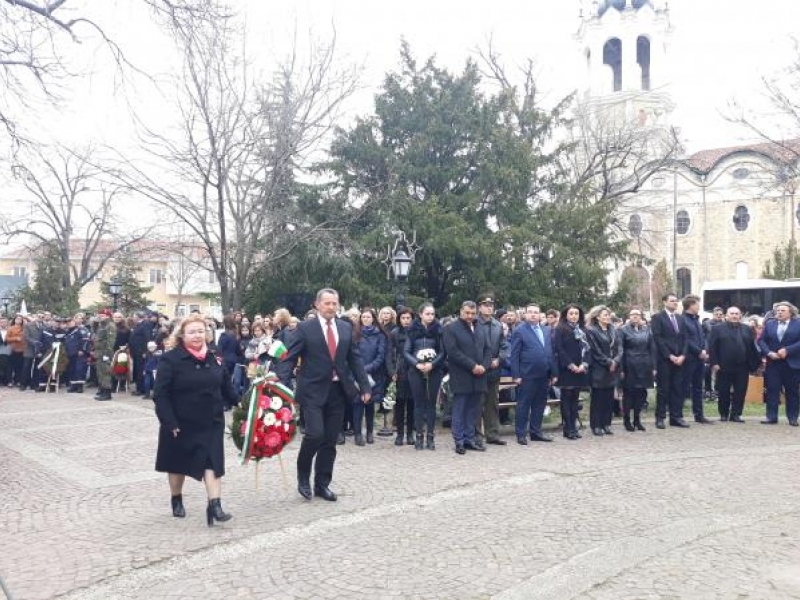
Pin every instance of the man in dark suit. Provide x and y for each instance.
(326, 380)
(468, 358)
(780, 345)
(732, 355)
(534, 370)
(669, 334)
(696, 357)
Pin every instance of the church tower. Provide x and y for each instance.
(624, 49)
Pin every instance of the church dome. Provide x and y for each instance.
(604, 5)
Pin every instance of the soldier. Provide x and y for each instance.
(77, 346)
(104, 349)
(46, 338)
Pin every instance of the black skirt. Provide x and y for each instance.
(192, 452)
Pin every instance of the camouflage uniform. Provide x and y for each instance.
(103, 350)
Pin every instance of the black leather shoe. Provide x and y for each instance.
(793, 422)
(597, 431)
(359, 439)
(522, 441)
(325, 493)
(736, 420)
(340, 440)
(496, 442)
(723, 418)
(767, 422)
(678, 423)
(607, 431)
(703, 421)
(571, 436)
(398, 441)
(476, 445)
(460, 449)
(370, 438)
(304, 488)
(177, 506)
(540, 438)
(660, 424)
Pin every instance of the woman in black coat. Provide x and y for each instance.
(603, 368)
(572, 353)
(398, 371)
(192, 391)
(638, 366)
(424, 377)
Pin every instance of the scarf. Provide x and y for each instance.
(198, 354)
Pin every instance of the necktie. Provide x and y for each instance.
(331, 338)
(781, 330)
(539, 335)
(674, 322)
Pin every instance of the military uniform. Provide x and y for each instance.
(77, 348)
(104, 349)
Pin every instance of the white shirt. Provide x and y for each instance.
(324, 324)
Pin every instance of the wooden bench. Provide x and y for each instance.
(508, 383)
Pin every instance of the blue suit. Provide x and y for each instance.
(532, 361)
(781, 374)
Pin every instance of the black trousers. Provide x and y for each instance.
(669, 390)
(569, 409)
(601, 407)
(404, 414)
(323, 424)
(732, 387)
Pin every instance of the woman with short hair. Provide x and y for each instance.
(605, 357)
(192, 392)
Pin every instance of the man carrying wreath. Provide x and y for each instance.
(331, 373)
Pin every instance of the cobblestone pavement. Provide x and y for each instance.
(709, 512)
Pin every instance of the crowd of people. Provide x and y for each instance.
(345, 365)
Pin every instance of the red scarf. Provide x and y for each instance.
(198, 354)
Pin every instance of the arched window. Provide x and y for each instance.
(682, 222)
(612, 56)
(684, 283)
(643, 58)
(741, 218)
(635, 225)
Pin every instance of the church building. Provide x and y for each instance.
(717, 214)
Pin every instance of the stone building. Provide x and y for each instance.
(717, 214)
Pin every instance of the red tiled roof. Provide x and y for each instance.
(784, 152)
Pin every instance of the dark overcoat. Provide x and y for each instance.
(638, 356)
(571, 348)
(466, 347)
(604, 349)
(191, 395)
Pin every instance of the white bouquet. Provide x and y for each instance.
(426, 355)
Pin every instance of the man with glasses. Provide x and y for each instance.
(669, 334)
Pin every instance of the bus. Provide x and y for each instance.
(751, 296)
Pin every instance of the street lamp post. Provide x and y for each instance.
(401, 265)
(115, 289)
(5, 300)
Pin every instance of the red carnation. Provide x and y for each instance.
(284, 414)
(272, 439)
(263, 402)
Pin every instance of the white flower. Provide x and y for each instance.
(276, 403)
(269, 419)
(426, 355)
(286, 427)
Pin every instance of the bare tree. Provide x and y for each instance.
(72, 207)
(231, 170)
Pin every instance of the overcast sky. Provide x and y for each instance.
(719, 51)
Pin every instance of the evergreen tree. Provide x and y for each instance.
(784, 264)
(133, 293)
(51, 290)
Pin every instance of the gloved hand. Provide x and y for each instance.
(106, 359)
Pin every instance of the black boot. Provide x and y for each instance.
(418, 443)
(626, 408)
(398, 441)
(429, 442)
(214, 512)
(78, 388)
(370, 437)
(177, 506)
(637, 416)
(409, 439)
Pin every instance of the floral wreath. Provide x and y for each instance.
(120, 363)
(266, 419)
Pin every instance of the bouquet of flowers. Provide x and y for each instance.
(389, 399)
(266, 419)
(426, 355)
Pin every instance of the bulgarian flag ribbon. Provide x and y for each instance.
(277, 350)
